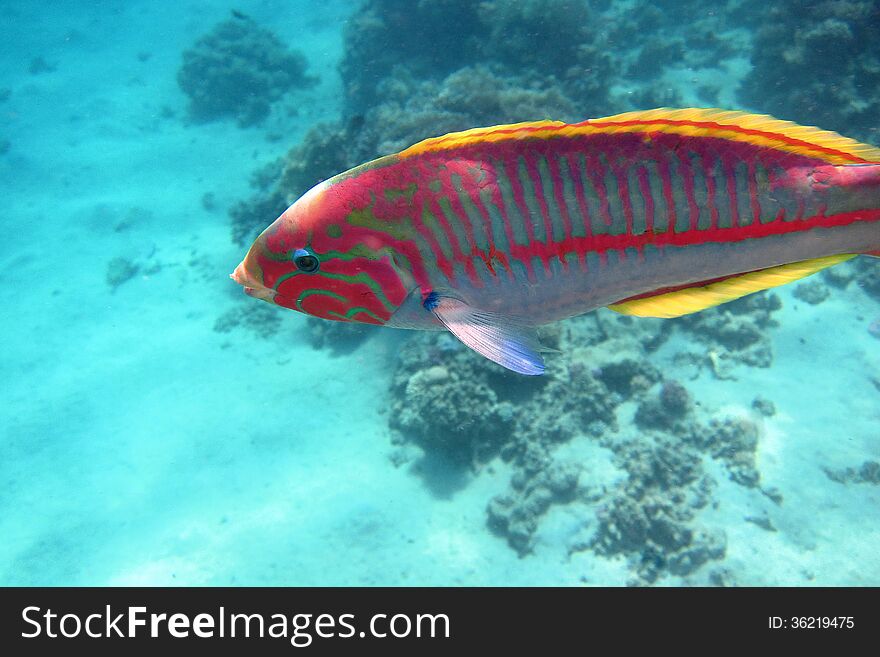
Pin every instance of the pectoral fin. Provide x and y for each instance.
(500, 339)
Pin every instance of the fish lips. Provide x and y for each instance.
(251, 287)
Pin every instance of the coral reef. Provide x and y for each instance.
(470, 411)
(238, 70)
(804, 69)
(735, 333)
(650, 517)
(539, 483)
(733, 440)
(451, 404)
(384, 33)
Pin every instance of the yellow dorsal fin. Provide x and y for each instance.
(745, 122)
(504, 132)
(693, 299)
(758, 129)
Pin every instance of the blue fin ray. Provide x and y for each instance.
(501, 339)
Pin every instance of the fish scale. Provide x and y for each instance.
(653, 213)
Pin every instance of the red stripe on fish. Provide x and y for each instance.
(604, 243)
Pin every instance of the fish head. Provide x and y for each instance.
(317, 258)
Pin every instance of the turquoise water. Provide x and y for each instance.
(161, 428)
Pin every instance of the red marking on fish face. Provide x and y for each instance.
(357, 280)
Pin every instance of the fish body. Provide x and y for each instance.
(492, 232)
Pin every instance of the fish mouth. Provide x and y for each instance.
(251, 287)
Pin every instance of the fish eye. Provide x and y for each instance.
(306, 261)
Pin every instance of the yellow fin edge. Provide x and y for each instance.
(695, 299)
(758, 129)
(772, 127)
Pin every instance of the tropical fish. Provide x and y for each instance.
(492, 232)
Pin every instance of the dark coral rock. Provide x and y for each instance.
(453, 403)
(239, 70)
(570, 402)
(733, 332)
(722, 577)
(705, 546)
(448, 409)
(666, 410)
(763, 521)
(803, 70)
(774, 495)
(664, 462)
(870, 472)
(629, 377)
(868, 276)
(812, 292)
(764, 407)
(496, 411)
(408, 39)
(736, 332)
(675, 398)
(262, 319)
(839, 277)
(120, 270)
(733, 440)
(650, 518)
(537, 484)
(478, 92)
(339, 337)
(867, 473)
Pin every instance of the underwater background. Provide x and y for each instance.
(161, 428)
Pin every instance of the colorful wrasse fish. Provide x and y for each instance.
(492, 232)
